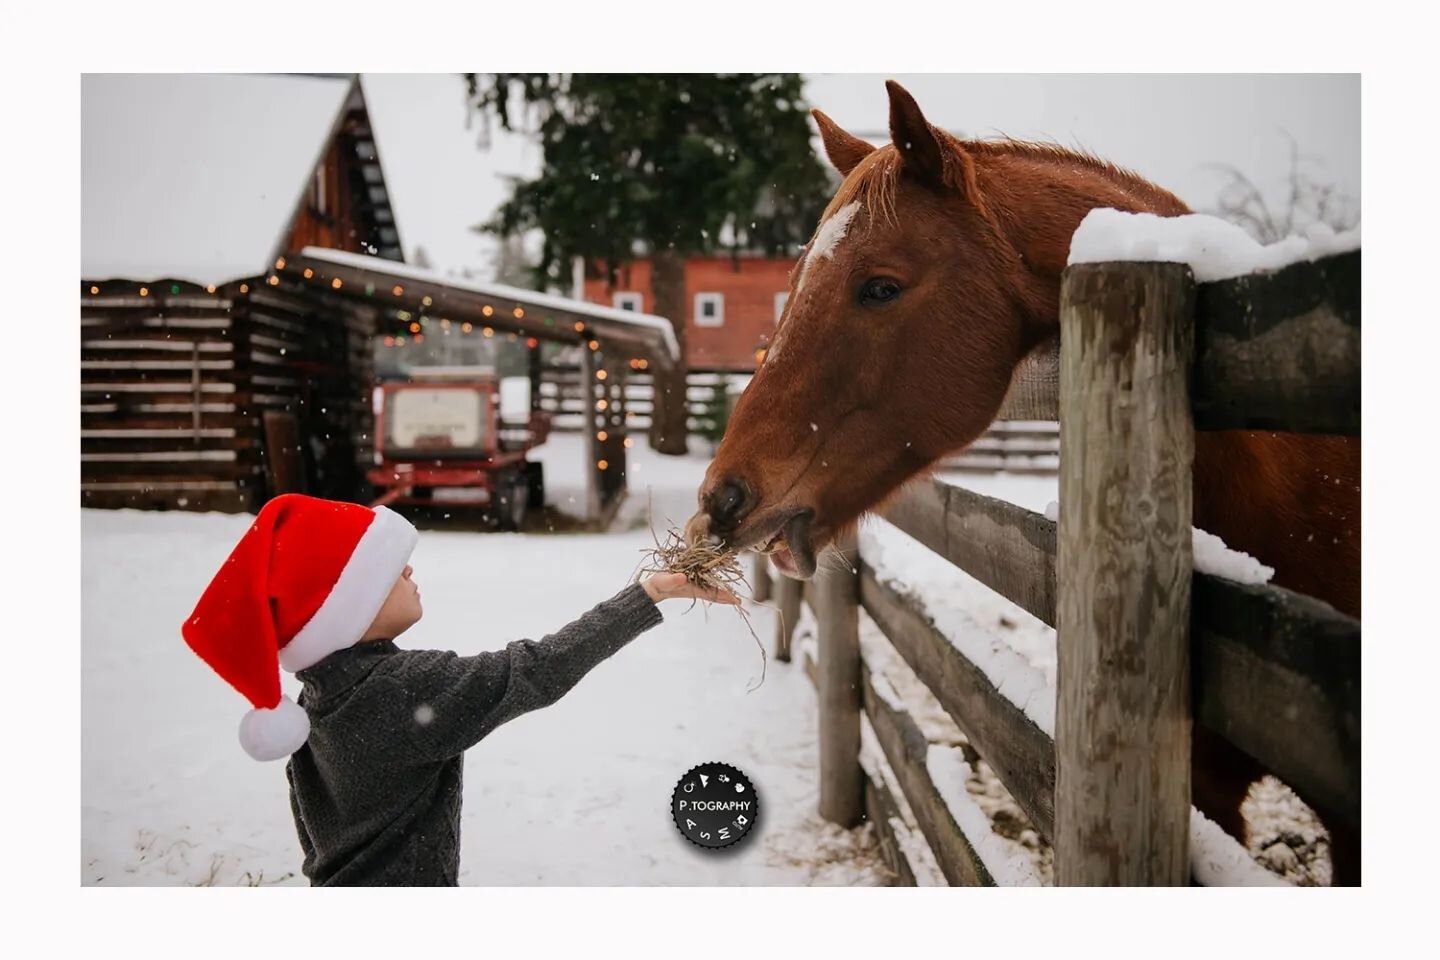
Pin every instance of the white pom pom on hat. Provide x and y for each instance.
(275, 734)
(306, 579)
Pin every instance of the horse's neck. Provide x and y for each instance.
(1037, 200)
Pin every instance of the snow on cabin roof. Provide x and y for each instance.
(196, 176)
(501, 291)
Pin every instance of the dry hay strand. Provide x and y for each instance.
(707, 565)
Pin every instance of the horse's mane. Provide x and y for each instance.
(875, 179)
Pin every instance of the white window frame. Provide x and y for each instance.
(629, 296)
(718, 299)
(781, 298)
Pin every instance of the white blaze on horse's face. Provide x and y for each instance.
(823, 245)
(827, 238)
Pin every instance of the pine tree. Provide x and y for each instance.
(658, 165)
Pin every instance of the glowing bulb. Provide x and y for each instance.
(414, 328)
(97, 289)
(399, 290)
(594, 344)
(532, 343)
(579, 327)
(426, 301)
(274, 281)
(445, 323)
(335, 284)
(487, 310)
(309, 273)
(601, 404)
(602, 436)
(489, 331)
(601, 374)
(280, 264)
(389, 341)
(210, 289)
(603, 464)
(244, 288)
(466, 327)
(519, 313)
(629, 442)
(144, 291)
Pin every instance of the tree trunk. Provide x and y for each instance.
(669, 413)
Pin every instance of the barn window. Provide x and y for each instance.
(630, 301)
(709, 309)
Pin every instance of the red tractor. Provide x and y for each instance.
(440, 440)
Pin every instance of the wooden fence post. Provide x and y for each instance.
(1122, 743)
(837, 602)
(789, 595)
(760, 580)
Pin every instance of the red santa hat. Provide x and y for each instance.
(306, 579)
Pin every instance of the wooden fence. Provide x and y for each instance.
(1147, 646)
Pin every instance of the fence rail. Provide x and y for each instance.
(1146, 643)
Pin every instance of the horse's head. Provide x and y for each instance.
(905, 321)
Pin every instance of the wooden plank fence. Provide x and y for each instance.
(1147, 646)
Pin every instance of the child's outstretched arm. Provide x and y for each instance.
(448, 703)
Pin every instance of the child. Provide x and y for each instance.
(376, 743)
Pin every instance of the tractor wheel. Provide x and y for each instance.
(535, 480)
(511, 499)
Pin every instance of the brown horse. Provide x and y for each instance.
(934, 271)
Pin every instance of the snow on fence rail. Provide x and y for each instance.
(1274, 672)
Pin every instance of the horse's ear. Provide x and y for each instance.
(913, 136)
(844, 150)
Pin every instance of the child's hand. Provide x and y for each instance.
(665, 586)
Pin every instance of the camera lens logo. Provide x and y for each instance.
(714, 805)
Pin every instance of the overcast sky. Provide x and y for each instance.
(1167, 128)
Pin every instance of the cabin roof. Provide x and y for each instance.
(197, 177)
(655, 332)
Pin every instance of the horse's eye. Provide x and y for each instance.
(879, 290)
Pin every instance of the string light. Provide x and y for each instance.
(601, 374)
(445, 323)
(425, 301)
(144, 291)
(601, 404)
(244, 288)
(602, 436)
(487, 310)
(274, 281)
(174, 288)
(466, 327)
(280, 264)
(210, 289)
(519, 313)
(309, 273)
(594, 344)
(400, 291)
(97, 289)
(579, 327)
(400, 341)
(532, 343)
(489, 331)
(419, 338)
(389, 341)
(335, 284)
(414, 328)
(629, 442)
(603, 464)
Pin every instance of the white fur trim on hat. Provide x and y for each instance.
(365, 583)
(275, 734)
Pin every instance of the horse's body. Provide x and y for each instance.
(935, 270)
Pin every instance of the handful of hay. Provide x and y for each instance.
(706, 564)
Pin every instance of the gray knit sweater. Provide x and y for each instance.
(376, 789)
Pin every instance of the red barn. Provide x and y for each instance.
(732, 304)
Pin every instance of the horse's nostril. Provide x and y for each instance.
(728, 503)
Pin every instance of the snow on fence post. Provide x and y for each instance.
(837, 609)
(1122, 738)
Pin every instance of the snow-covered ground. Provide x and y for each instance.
(575, 794)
